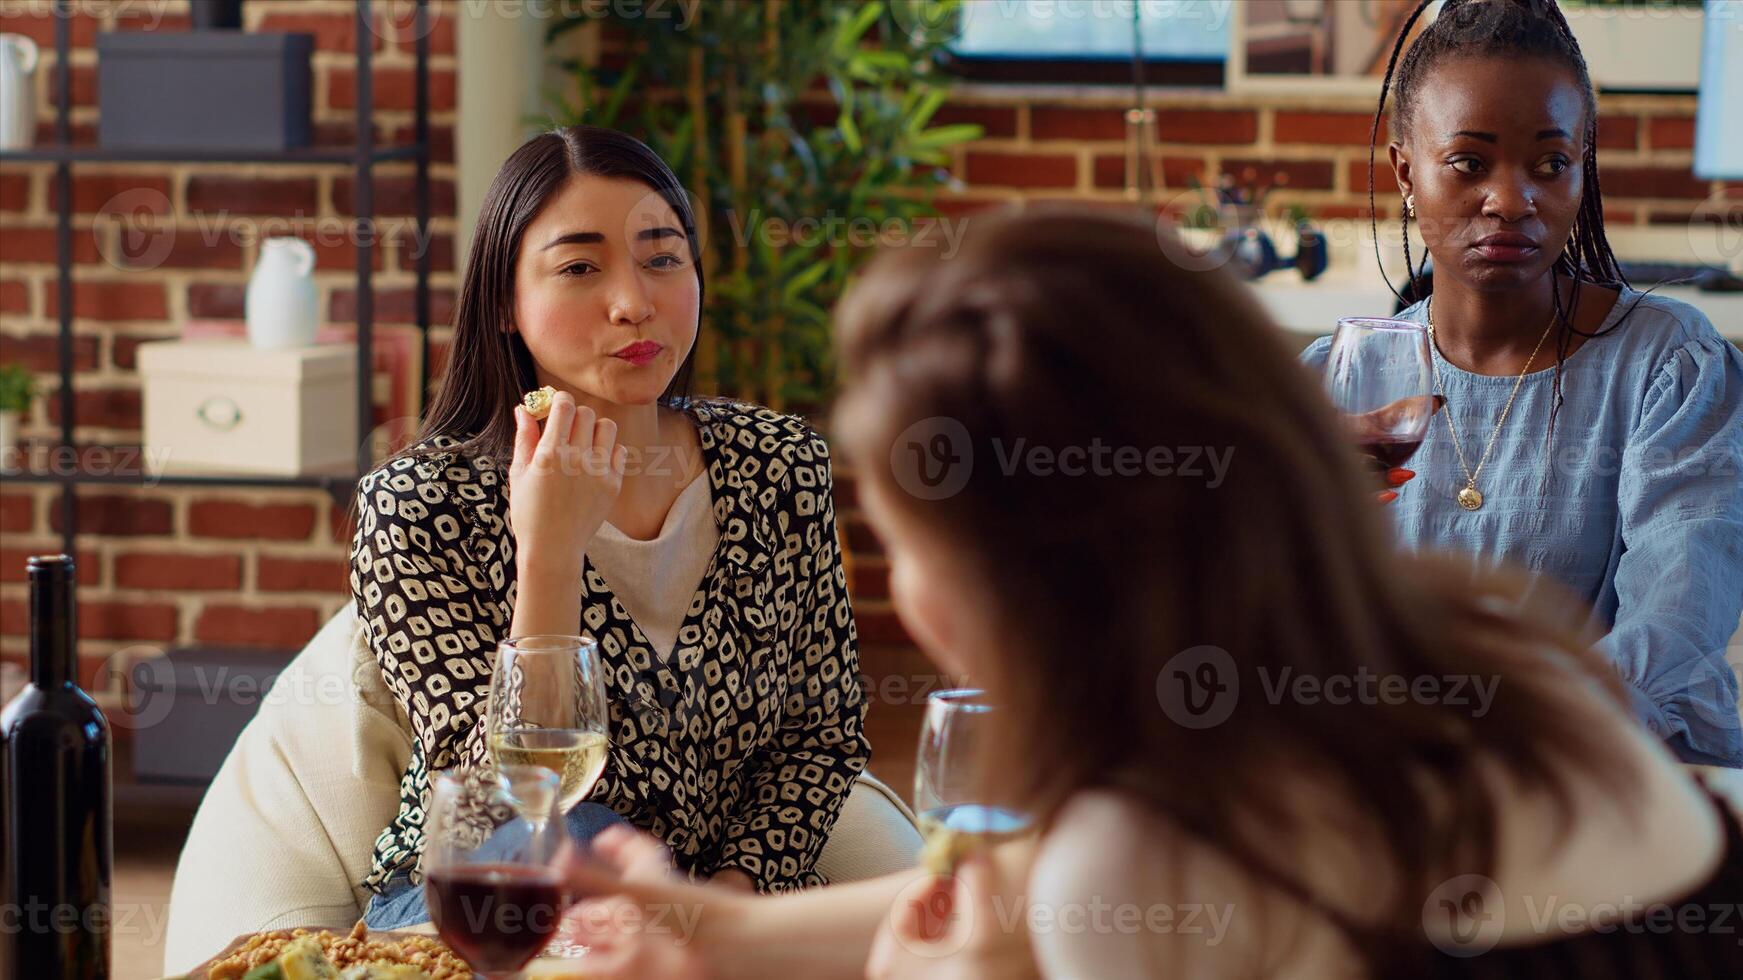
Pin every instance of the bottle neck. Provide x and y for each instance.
(53, 653)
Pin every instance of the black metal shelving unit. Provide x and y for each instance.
(362, 155)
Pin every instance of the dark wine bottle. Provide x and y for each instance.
(55, 771)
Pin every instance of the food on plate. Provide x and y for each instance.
(538, 402)
(301, 954)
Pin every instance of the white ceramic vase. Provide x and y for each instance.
(281, 295)
(18, 56)
(8, 437)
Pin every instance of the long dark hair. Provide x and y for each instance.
(1106, 579)
(1485, 28)
(490, 368)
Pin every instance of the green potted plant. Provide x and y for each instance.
(17, 388)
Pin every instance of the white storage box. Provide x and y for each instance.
(222, 406)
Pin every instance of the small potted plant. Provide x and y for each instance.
(17, 388)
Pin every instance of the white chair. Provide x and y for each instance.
(289, 824)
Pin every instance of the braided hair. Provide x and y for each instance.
(1484, 28)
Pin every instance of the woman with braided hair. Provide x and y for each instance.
(1593, 434)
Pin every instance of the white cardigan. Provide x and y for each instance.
(287, 828)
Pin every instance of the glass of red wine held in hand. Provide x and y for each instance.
(490, 877)
(1379, 376)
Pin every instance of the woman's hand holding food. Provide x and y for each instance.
(562, 485)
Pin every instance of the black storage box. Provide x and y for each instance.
(188, 706)
(203, 90)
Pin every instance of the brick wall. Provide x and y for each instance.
(172, 566)
(1050, 144)
(168, 566)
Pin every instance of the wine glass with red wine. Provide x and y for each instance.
(1380, 377)
(493, 834)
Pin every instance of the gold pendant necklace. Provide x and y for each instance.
(1470, 498)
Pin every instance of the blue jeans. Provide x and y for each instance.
(401, 904)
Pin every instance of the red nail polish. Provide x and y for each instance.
(1388, 497)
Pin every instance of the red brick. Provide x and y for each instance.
(216, 300)
(28, 246)
(82, 134)
(845, 490)
(92, 194)
(232, 519)
(338, 252)
(1672, 133)
(108, 408)
(953, 206)
(282, 628)
(84, 79)
(1312, 175)
(1385, 180)
(1021, 169)
(1618, 132)
(861, 539)
(1617, 216)
(1326, 128)
(116, 619)
(14, 563)
(394, 89)
(292, 196)
(17, 513)
(391, 306)
(441, 140)
(871, 578)
(1657, 182)
(40, 351)
(131, 299)
(343, 132)
(396, 22)
(1206, 126)
(14, 619)
(333, 32)
(1057, 122)
(14, 192)
(341, 523)
(37, 23)
(441, 246)
(142, 248)
(149, 17)
(303, 574)
(118, 516)
(996, 122)
(1110, 170)
(879, 624)
(15, 297)
(393, 195)
(1329, 212)
(178, 570)
(124, 351)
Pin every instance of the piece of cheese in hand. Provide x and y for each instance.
(538, 402)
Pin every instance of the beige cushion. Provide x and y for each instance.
(288, 826)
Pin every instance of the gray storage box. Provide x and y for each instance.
(190, 704)
(203, 90)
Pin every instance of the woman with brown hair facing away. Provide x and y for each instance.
(1149, 637)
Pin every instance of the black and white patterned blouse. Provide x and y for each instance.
(739, 748)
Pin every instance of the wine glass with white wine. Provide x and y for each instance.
(956, 815)
(548, 708)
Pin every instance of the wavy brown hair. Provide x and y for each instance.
(1064, 327)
